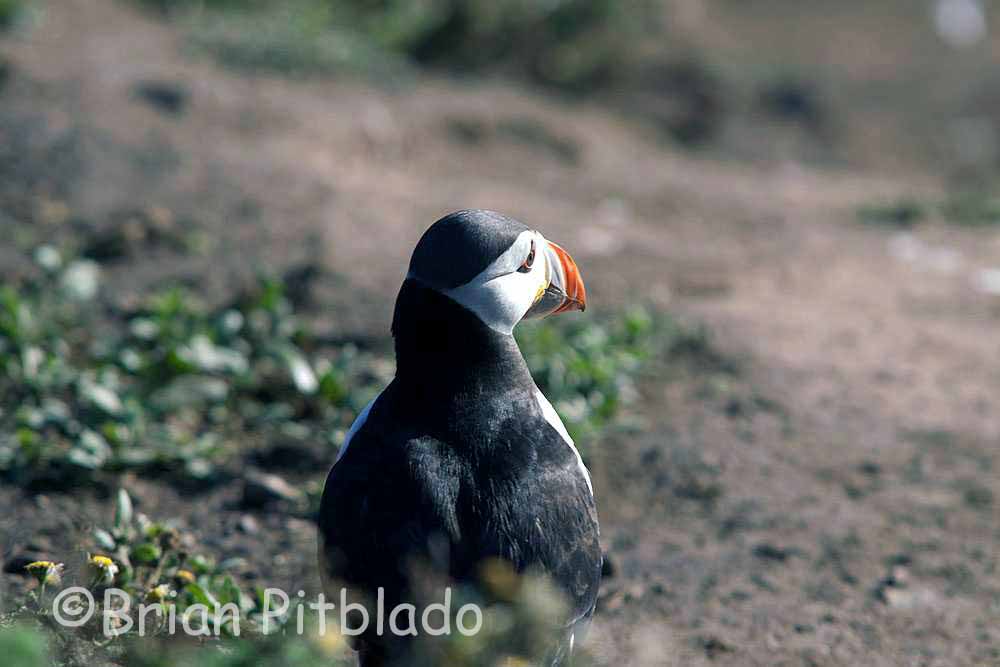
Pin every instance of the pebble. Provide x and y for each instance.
(248, 524)
(260, 489)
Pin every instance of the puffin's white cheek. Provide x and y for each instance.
(513, 295)
(500, 302)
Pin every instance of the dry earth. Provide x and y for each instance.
(822, 506)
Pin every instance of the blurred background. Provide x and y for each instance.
(786, 213)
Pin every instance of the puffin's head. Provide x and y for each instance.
(497, 268)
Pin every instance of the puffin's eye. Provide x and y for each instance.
(526, 266)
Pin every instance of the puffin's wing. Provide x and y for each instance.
(377, 521)
(382, 510)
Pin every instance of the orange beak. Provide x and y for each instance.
(575, 292)
(564, 291)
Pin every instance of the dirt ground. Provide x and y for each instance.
(824, 505)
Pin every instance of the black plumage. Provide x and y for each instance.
(460, 245)
(456, 463)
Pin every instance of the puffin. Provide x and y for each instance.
(461, 461)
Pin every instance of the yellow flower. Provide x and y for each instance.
(45, 571)
(39, 566)
(186, 576)
(158, 593)
(103, 569)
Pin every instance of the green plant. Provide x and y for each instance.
(570, 44)
(10, 12)
(151, 563)
(297, 37)
(175, 386)
(903, 213)
(573, 45)
(154, 565)
(586, 367)
(973, 209)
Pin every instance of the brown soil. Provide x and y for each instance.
(753, 517)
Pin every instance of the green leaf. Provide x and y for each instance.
(205, 355)
(229, 591)
(100, 396)
(302, 373)
(144, 328)
(201, 595)
(104, 539)
(123, 510)
(199, 564)
(146, 553)
(91, 451)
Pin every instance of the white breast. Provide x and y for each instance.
(552, 417)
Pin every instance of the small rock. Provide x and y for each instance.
(900, 575)
(166, 97)
(987, 281)
(248, 524)
(908, 599)
(658, 588)
(870, 468)
(889, 588)
(713, 646)
(260, 489)
(767, 551)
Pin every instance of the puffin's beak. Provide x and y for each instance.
(565, 290)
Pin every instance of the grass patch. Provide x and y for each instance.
(295, 38)
(173, 386)
(151, 563)
(903, 214)
(587, 367)
(11, 12)
(975, 495)
(176, 387)
(972, 209)
(959, 579)
(968, 209)
(573, 45)
(570, 44)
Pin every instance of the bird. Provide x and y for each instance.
(461, 460)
